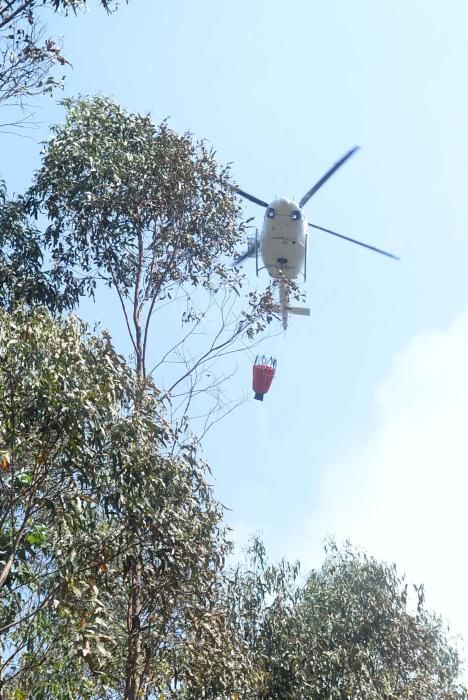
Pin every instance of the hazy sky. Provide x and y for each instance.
(363, 434)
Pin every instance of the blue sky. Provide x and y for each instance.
(363, 432)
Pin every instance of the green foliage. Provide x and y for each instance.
(23, 277)
(349, 632)
(367, 638)
(59, 391)
(264, 600)
(27, 59)
(92, 482)
(149, 211)
(94, 487)
(112, 180)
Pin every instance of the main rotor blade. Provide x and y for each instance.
(250, 197)
(327, 175)
(353, 240)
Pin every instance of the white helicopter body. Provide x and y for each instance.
(283, 248)
(283, 240)
(282, 244)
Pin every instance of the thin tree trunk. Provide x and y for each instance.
(133, 670)
(133, 675)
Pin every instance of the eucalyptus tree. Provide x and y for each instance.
(152, 214)
(25, 277)
(263, 600)
(28, 58)
(368, 634)
(89, 481)
(87, 484)
(353, 629)
(59, 390)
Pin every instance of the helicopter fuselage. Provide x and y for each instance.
(283, 239)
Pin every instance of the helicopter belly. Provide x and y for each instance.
(283, 249)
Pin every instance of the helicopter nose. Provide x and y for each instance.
(283, 206)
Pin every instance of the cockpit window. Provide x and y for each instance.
(271, 213)
(296, 215)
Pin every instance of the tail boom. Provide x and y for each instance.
(285, 309)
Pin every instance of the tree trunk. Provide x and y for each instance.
(133, 669)
(133, 673)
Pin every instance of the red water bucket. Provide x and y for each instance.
(263, 373)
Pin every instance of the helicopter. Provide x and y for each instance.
(282, 243)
